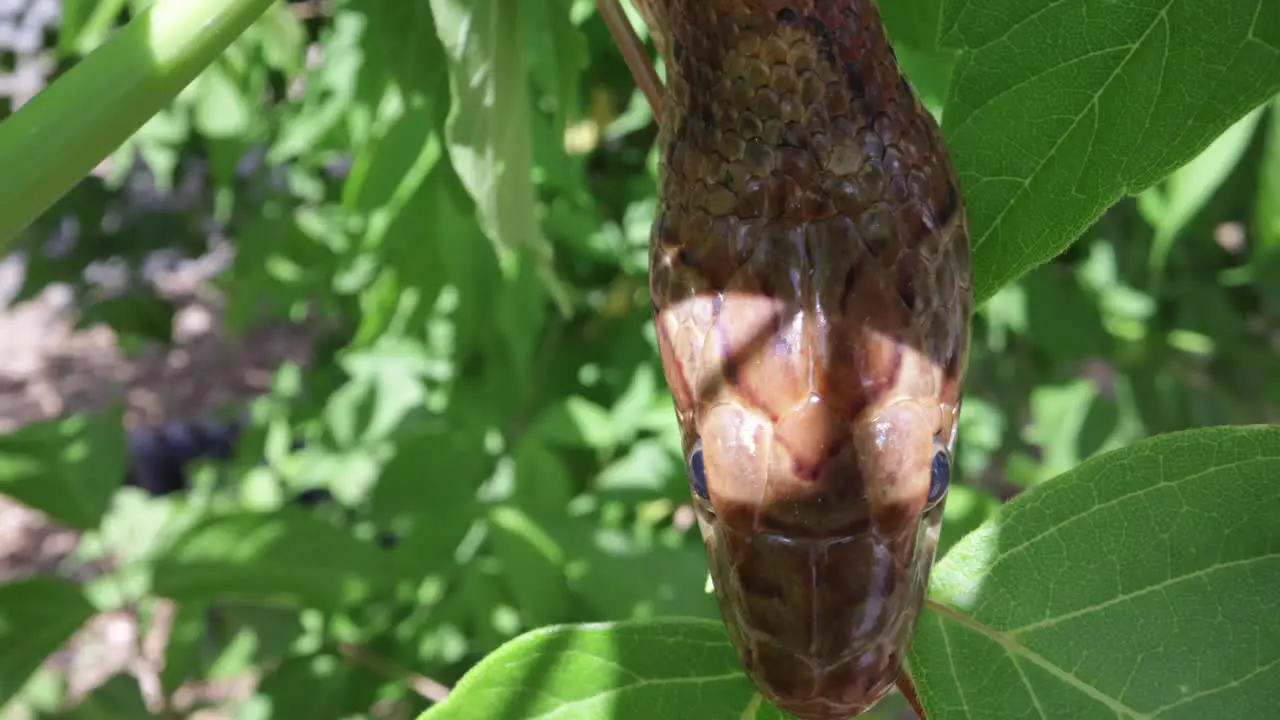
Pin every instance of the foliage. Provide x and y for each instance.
(465, 190)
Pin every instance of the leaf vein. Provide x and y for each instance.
(1022, 546)
(1080, 612)
(1013, 647)
(1211, 691)
(1102, 88)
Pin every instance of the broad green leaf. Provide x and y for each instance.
(402, 36)
(36, 617)
(913, 24)
(967, 508)
(1169, 207)
(983, 427)
(222, 108)
(1058, 110)
(394, 179)
(388, 384)
(646, 471)
(427, 494)
(655, 670)
(68, 469)
(1267, 212)
(1058, 415)
(1056, 300)
(577, 422)
(544, 484)
(288, 557)
(284, 39)
(929, 72)
(629, 409)
(557, 53)
(533, 565)
(1139, 585)
(487, 131)
(183, 652)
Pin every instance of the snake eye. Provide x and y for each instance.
(940, 478)
(698, 472)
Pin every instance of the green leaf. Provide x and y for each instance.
(619, 576)
(427, 494)
(288, 557)
(1057, 111)
(544, 485)
(653, 670)
(1139, 585)
(913, 24)
(967, 508)
(68, 469)
(533, 565)
(557, 54)
(188, 634)
(37, 616)
(1267, 212)
(284, 40)
(388, 385)
(222, 109)
(1058, 416)
(119, 697)
(643, 473)
(487, 131)
(323, 686)
(1169, 208)
(577, 422)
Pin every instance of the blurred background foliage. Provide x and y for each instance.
(487, 396)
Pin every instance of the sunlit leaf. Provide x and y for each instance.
(487, 132)
(288, 557)
(1135, 586)
(1267, 214)
(660, 670)
(577, 422)
(1057, 111)
(68, 469)
(221, 109)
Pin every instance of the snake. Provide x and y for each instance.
(810, 277)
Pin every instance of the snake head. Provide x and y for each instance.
(820, 532)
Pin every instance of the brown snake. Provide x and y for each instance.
(811, 285)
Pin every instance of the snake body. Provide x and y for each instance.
(811, 286)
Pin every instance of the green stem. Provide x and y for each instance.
(57, 138)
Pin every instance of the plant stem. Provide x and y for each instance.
(57, 138)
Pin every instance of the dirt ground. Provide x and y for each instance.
(49, 370)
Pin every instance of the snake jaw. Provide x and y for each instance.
(842, 657)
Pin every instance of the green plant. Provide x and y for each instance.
(497, 402)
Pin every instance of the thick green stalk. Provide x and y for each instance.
(58, 137)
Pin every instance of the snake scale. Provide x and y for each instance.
(811, 284)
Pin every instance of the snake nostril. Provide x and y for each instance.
(788, 16)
